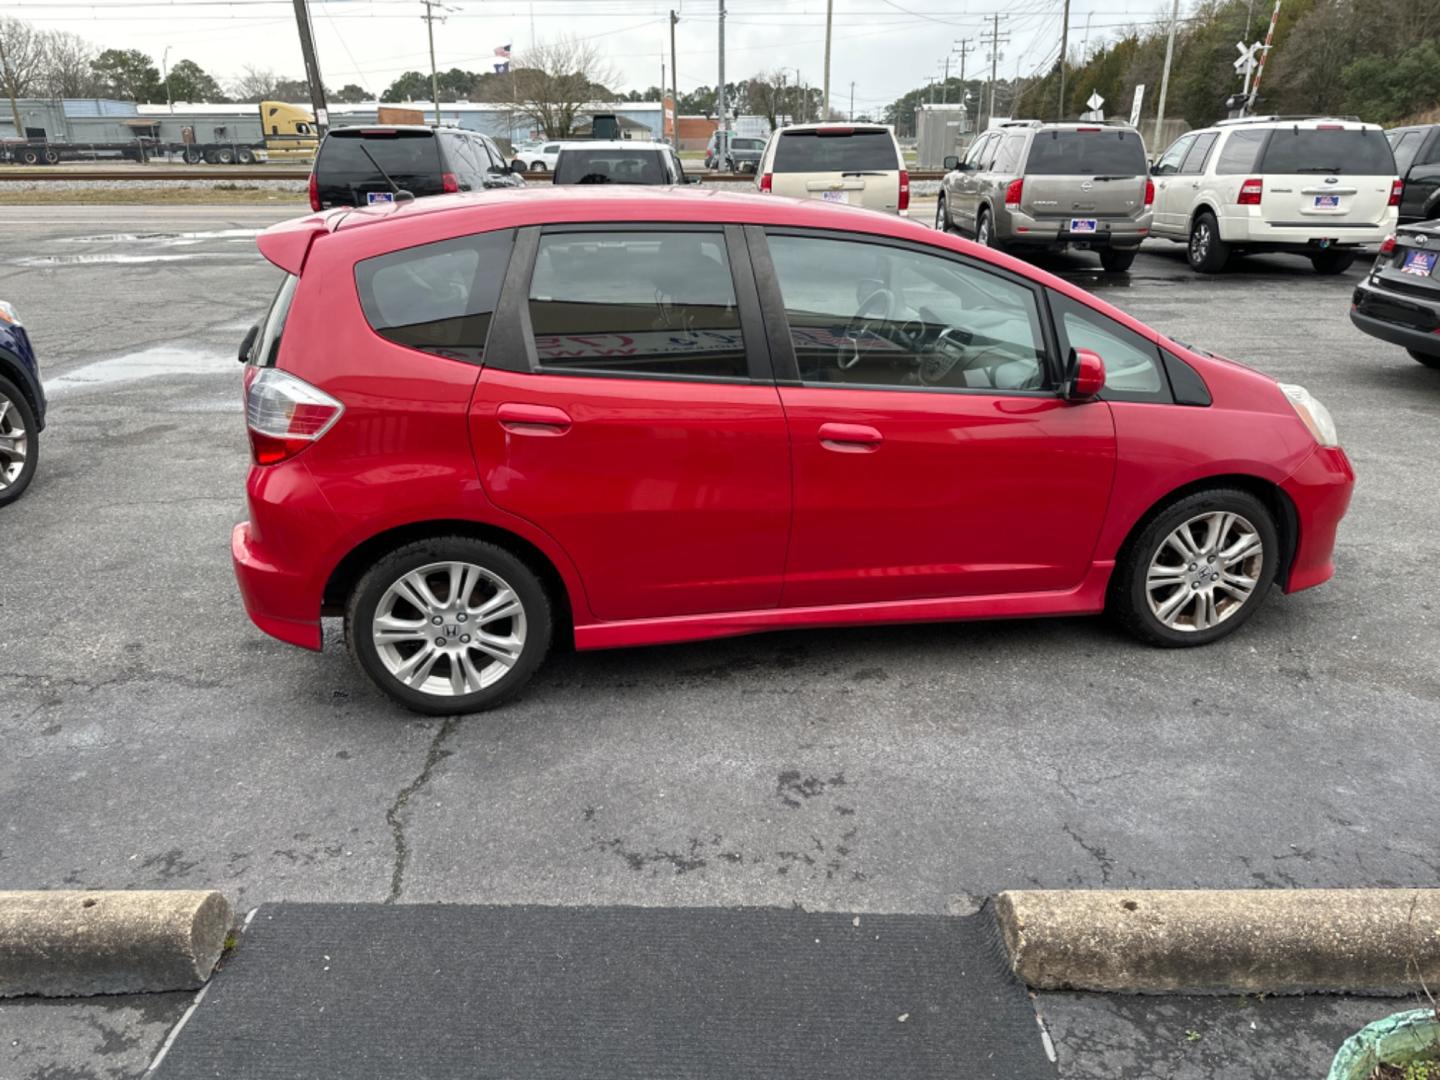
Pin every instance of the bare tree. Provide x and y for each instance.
(24, 56)
(765, 96)
(255, 84)
(551, 83)
(67, 67)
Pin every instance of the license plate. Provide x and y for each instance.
(373, 197)
(1419, 263)
(835, 196)
(1082, 225)
(1328, 201)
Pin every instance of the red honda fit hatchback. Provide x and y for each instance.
(632, 417)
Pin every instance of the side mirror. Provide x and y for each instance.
(1089, 375)
(951, 162)
(248, 343)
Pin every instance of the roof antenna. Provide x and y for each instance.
(401, 195)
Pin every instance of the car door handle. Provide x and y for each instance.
(850, 438)
(519, 418)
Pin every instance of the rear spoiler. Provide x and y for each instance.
(288, 243)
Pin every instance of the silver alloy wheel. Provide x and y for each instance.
(449, 629)
(1200, 241)
(14, 443)
(940, 221)
(1204, 571)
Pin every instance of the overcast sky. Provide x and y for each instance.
(884, 46)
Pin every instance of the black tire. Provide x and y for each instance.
(193, 156)
(985, 230)
(245, 156)
(1430, 360)
(225, 155)
(21, 405)
(1332, 261)
(942, 216)
(1116, 262)
(1129, 600)
(30, 156)
(539, 166)
(365, 598)
(52, 157)
(1206, 252)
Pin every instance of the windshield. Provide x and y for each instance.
(864, 150)
(609, 167)
(1102, 152)
(1328, 150)
(343, 169)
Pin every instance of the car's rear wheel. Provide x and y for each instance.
(1430, 360)
(19, 442)
(985, 230)
(450, 625)
(1198, 570)
(539, 166)
(1206, 251)
(1116, 262)
(1332, 261)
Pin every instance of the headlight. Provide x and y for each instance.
(1317, 418)
(7, 314)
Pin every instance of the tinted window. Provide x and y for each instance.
(1132, 364)
(267, 343)
(1321, 150)
(552, 148)
(1195, 159)
(869, 150)
(344, 173)
(581, 166)
(1104, 152)
(647, 303)
(437, 297)
(1239, 152)
(747, 144)
(1406, 149)
(869, 315)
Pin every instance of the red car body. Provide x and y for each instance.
(665, 511)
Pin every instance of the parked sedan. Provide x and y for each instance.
(537, 157)
(1399, 301)
(22, 407)
(627, 416)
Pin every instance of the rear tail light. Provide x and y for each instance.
(1250, 192)
(904, 190)
(284, 415)
(314, 193)
(1149, 193)
(1397, 189)
(1012, 194)
(1387, 246)
(448, 183)
(765, 183)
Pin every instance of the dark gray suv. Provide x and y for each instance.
(1029, 184)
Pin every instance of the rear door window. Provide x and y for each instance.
(1328, 150)
(438, 298)
(1406, 148)
(1102, 152)
(345, 169)
(856, 150)
(1195, 159)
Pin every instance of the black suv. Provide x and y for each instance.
(357, 166)
(1417, 162)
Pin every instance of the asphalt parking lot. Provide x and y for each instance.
(154, 738)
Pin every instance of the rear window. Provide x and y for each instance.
(747, 144)
(1086, 153)
(861, 150)
(1328, 150)
(609, 167)
(344, 170)
(439, 297)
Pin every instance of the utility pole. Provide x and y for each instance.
(10, 89)
(852, 101)
(165, 78)
(945, 83)
(963, 46)
(720, 90)
(430, 17)
(1064, 48)
(825, 93)
(1165, 75)
(674, 85)
(312, 68)
(996, 40)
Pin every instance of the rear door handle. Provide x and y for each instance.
(850, 438)
(520, 418)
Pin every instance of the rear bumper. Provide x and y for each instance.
(1377, 311)
(1320, 491)
(1241, 229)
(1015, 227)
(269, 592)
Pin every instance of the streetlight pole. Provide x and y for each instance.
(1165, 75)
(825, 95)
(165, 75)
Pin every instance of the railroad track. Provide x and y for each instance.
(231, 172)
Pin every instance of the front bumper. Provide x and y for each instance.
(1320, 492)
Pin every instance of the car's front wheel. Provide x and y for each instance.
(942, 216)
(449, 625)
(1431, 360)
(19, 442)
(1198, 570)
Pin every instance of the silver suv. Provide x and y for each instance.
(1052, 186)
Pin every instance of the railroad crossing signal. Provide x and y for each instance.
(1248, 58)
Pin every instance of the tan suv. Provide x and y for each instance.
(858, 164)
(1029, 184)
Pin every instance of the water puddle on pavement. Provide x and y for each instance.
(150, 363)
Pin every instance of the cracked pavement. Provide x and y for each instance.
(154, 738)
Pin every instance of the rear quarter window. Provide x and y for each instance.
(1328, 150)
(267, 343)
(438, 298)
(1086, 153)
(1239, 152)
(859, 151)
